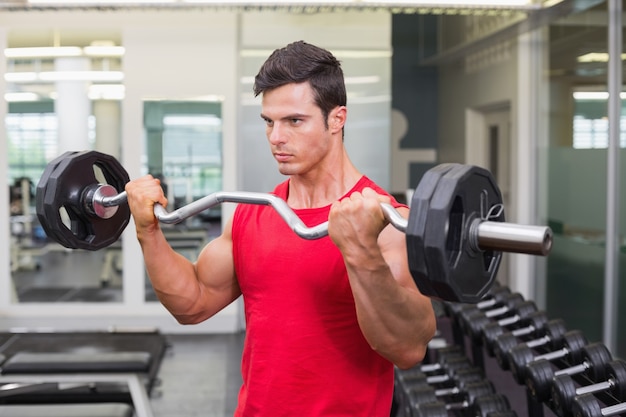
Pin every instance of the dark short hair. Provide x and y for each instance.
(301, 62)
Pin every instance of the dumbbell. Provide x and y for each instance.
(526, 318)
(449, 363)
(442, 355)
(503, 304)
(483, 406)
(552, 330)
(459, 377)
(426, 394)
(453, 309)
(569, 346)
(539, 374)
(564, 388)
(511, 316)
(587, 405)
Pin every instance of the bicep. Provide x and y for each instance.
(216, 270)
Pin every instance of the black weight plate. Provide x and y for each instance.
(421, 395)
(536, 321)
(586, 405)
(49, 222)
(518, 358)
(563, 393)
(416, 227)
(487, 404)
(539, 376)
(616, 371)
(478, 389)
(436, 409)
(456, 269)
(490, 332)
(555, 329)
(504, 343)
(596, 355)
(525, 309)
(60, 203)
(574, 341)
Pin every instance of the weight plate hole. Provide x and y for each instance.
(99, 175)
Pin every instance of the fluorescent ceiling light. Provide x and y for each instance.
(104, 51)
(64, 2)
(102, 76)
(461, 3)
(65, 51)
(53, 76)
(424, 3)
(43, 52)
(20, 97)
(596, 57)
(594, 95)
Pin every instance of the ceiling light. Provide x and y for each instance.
(594, 95)
(100, 76)
(104, 50)
(65, 51)
(20, 97)
(462, 3)
(43, 52)
(596, 57)
(53, 76)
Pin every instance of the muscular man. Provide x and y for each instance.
(326, 319)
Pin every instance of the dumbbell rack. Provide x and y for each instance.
(453, 332)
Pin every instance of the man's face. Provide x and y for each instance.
(295, 128)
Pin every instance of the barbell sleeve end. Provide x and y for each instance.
(512, 237)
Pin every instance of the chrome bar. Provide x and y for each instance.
(501, 236)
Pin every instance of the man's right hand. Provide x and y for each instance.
(142, 194)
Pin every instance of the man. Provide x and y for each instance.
(326, 319)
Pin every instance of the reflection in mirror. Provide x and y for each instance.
(63, 93)
(183, 148)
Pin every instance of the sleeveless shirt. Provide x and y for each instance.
(304, 353)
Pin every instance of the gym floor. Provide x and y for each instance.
(199, 376)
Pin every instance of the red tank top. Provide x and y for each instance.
(304, 353)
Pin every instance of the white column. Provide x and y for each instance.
(72, 106)
(107, 113)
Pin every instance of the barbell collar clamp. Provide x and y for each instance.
(94, 199)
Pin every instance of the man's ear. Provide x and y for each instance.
(337, 118)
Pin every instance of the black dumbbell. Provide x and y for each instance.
(587, 405)
(564, 388)
(511, 315)
(460, 377)
(568, 347)
(552, 330)
(507, 413)
(479, 406)
(483, 406)
(442, 355)
(503, 304)
(453, 309)
(470, 391)
(539, 374)
(458, 369)
(525, 321)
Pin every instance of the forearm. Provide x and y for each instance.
(396, 320)
(173, 276)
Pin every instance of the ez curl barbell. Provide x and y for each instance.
(455, 232)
